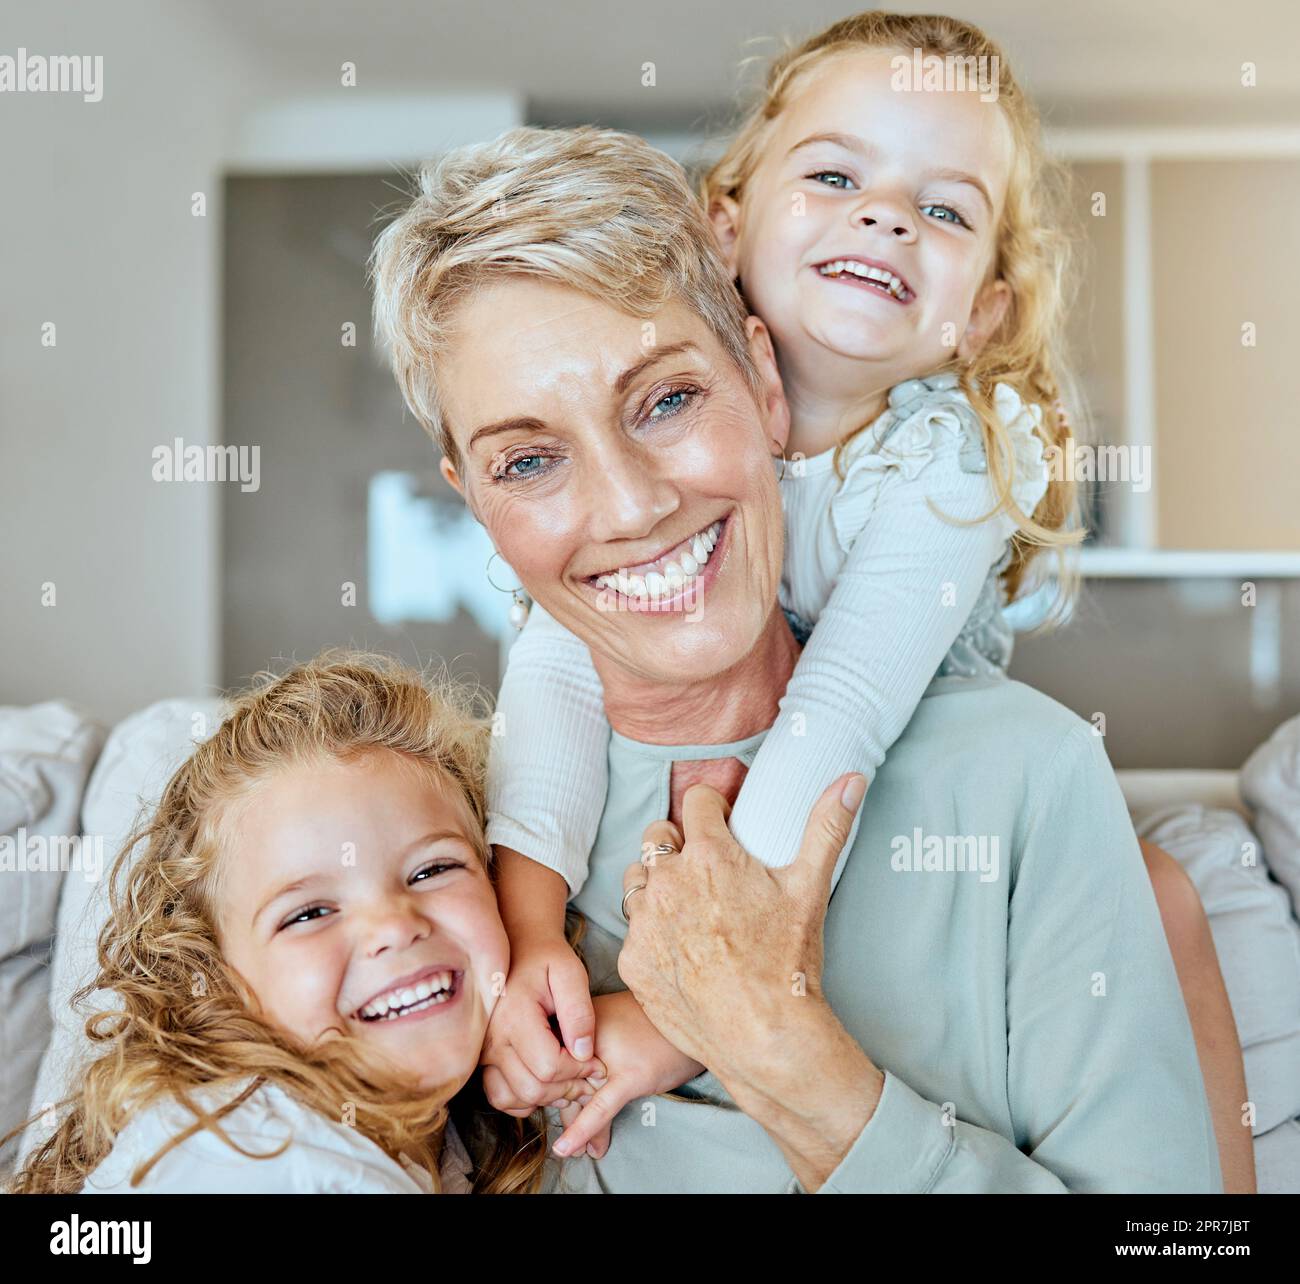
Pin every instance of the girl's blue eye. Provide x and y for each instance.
(436, 867)
(946, 209)
(309, 913)
(823, 174)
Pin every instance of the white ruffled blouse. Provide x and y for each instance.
(321, 1157)
(929, 424)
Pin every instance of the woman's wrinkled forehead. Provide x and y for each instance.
(526, 348)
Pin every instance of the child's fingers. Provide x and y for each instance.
(571, 994)
(543, 1089)
(598, 1146)
(593, 1120)
(535, 1045)
(576, 1090)
(528, 1089)
(496, 1088)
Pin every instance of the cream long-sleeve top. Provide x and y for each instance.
(994, 946)
(892, 593)
(316, 1155)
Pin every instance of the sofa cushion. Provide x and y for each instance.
(1270, 784)
(1277, 1160)
(1258, 944)
(138, 759)
(46, 754)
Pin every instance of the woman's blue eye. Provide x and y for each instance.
(946, 209)
(524, 472)
(675, 401)
(832, 173)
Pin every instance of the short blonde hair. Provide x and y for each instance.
(595, 209)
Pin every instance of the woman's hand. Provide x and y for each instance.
(639, 1062)
(725, 957)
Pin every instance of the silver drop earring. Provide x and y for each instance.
(518, 605)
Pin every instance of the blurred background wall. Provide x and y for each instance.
(198, 239)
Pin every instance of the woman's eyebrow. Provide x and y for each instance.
(531, 423)
(622, 383)
(526, 422)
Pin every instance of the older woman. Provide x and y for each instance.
(930, 1029)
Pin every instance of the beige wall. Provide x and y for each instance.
(1226, 251)
(99, 238)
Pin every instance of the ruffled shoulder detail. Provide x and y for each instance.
(1024, 423)
(926, 419)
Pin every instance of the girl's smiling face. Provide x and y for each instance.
(352, 899)
(910, 182)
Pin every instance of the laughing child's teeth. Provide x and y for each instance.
(669, 574)
(427, 993)
(877, 276)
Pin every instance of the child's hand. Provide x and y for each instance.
(525, 1065)
(639, 1062)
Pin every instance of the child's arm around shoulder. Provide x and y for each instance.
(547, 769)
(547, 778)
(907, 586)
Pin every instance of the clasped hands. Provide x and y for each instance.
(722, 960)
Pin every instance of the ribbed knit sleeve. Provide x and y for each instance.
(547, 770)
(907, 585)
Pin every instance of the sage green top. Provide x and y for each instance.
(994, 946)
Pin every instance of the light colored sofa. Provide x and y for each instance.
(64, 778)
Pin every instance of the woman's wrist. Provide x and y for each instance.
(809, 1085)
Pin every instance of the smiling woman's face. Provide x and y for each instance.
(353, 900)
(623, 469)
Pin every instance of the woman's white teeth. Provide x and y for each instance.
(865, 273)
(687, 560)
(423, 994)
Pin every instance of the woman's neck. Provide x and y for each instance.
(729, 706)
